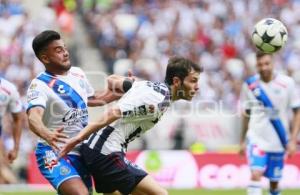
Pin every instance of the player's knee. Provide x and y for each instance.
(256, 176)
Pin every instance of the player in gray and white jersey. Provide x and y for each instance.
(136, 112)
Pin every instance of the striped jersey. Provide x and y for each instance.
(141, 107)
(9, 99)
(64, 98)
(283, 94)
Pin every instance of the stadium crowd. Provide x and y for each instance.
(142, 34)
(17, 61)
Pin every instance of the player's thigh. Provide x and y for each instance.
(257, 160)
(74, 186)
(60, 173)
(149, 186)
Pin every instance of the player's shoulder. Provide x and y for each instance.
(151, 87)
(8, 86)
(284, 79)
(37, 83)
(7, 83)
(77, 72)
(152, 91)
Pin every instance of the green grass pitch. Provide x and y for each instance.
(172, 192)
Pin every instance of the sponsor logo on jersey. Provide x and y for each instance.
(74, 116)
(33, 95)
(60, 89)
(151, 108)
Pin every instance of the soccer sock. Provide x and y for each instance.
(274, 192)
(254, 188)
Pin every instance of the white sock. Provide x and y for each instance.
(254, 188)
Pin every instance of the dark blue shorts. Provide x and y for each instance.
(112, 172)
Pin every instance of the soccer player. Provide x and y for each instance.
(9, 101)
(267, 99)
(57, 109)
(135, 113)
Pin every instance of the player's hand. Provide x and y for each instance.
(242, 149)
(55, 137)
(70, 144)
(131, 76)
(12, 155)
(291, 148)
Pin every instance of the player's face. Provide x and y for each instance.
(190, 85)
(265, 67)
(56, 56)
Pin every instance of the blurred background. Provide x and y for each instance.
(111, 36)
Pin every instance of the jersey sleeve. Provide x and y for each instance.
(294, 97)
(15, 104)
(36, 95)
(139, 102)
(89, 89)
(246, 98)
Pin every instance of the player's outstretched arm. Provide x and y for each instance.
(107, 118)
(102, 98)
(37, 126)
(292, 146)
(116, 87)
(16, 132)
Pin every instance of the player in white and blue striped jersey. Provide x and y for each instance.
(57, 109)
(267, 99)
(9, 103)
(135, 113)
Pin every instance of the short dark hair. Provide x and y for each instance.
(42, 40)
(180, 67)
(260, 54)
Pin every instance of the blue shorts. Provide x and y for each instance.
(271, 163)
(56, 172)
(112, 172)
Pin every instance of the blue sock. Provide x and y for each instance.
(274, 192)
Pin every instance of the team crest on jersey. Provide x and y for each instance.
(33, 86)
(64, 170)
(3, 98)
(50, 160)
(151, 108)
(81, 83)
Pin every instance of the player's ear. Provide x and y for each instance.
(176, 81)
(44, 58)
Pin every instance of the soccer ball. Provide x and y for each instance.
(269, 35)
